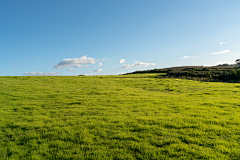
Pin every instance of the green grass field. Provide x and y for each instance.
(118, 117)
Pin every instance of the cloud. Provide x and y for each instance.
(221, 52)
(79, 66)
(71, 69)
(137, 64)
(97, 70)
(127, 66)
(40, 73)
(100, 64)
(75, 62)
(103, 59)
(122, 61)
(225, 42)
(184, 57)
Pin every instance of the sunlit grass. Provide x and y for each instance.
(118, 117)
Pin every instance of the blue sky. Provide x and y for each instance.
(59, 37)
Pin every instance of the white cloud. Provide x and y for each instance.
(221, 52)
(76, 62)
(100, 64)
(137, 64)
(225, 42)
(97, 70)
(79, 66)
(184, 57)
(127, 66)
(40, 73)
(122, 61)
(103, 59)
(71, 69)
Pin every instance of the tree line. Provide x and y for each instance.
(214, 73)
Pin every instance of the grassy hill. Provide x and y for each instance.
(118, 117)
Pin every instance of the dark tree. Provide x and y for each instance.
(238, 61)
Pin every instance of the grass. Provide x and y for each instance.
(118, 117)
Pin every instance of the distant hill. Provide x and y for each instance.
(224, 73)
(227, 65)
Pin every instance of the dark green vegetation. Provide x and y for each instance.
(118, 117)
(214, 74)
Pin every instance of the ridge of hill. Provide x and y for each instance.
(202, 73)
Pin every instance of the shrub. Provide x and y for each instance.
(238, 74)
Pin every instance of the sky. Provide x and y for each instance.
(111, 37)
